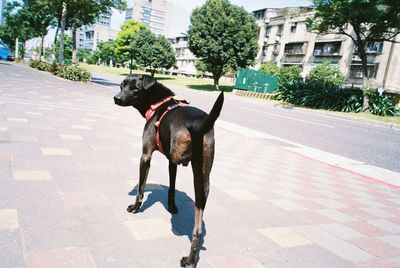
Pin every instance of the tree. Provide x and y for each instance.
(38, 14)
(201, 68)
(370, 21)
(270, 68)
(152, 51)
(16, 27)
(123, 43)
(83, 12)
(223, 35)
(326, 74)
(106, 51)
(67, 48)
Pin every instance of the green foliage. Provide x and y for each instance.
(270, 68)
(286, 75)
(83, 54)
(223, 35)
(289, 74)
(67, 48)
(326, 74)
(381, 104)
(70, 72)
(201, 68)
(319, 96)
(106, 51)
(73, 72)
(123, 43)
(151, 51)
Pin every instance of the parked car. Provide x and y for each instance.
(5, 52)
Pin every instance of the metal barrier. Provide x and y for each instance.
(255, 81)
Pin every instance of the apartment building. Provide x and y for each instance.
(185, 60)
(155, 14)
(284, 39)
(89, 36)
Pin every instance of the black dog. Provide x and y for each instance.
(182, 133)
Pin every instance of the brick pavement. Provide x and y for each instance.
(69, 162)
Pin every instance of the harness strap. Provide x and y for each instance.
(158, 122)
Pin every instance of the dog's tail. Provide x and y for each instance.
(209, 121)
(197, 131)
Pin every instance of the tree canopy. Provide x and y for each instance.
(223, 35)
(123, 43)
(153, 52)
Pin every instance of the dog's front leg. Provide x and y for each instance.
(171, 191)
(143, 173)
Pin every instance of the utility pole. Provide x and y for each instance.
(61, 54)
(16, 49)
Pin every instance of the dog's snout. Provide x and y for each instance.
(117, 100)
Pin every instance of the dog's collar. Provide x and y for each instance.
(150, 112)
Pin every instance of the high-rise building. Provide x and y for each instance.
(89, 36)
(155, 14)
(3, 4)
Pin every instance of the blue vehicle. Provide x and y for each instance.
(5, 52)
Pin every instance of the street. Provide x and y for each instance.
(289, 188)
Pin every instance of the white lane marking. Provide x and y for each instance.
(290, 118)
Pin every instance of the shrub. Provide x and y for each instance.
(73, 72)
(270, 68)
(290, 74)
(40, 65)
(34, 63)
(326, 74)
(319, 96)
(381, 104)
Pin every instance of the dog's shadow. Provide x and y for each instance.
(181, 223)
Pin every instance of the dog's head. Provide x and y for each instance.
(133, 89)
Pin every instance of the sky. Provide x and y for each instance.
(181, 10)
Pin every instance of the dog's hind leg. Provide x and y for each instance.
(171, 191)
(201, 189)
(143, 173)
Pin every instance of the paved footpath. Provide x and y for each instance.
(69, 164)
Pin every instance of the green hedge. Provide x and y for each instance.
(320, 96)
(73, 72)
(70, 72)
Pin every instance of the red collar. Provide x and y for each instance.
(150, 112)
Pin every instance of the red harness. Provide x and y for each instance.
(150, 112)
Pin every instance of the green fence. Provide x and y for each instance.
(255, 81)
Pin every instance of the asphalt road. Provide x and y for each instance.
(363, 141)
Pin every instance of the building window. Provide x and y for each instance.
(295, 48)
(259, 15)
(374, 47)
(327, 49)
(147, 10)
(267, 31)
(280, 30)
(357, 72)
(293, 27)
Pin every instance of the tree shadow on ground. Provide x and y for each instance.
(181, 223)
(211, 88)
(104, 82)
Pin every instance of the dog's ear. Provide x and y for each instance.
(148, 81)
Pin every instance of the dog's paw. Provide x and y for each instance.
(185, 263)
(172, 208)
(134, 208)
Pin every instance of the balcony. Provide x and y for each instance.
(292, 58)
